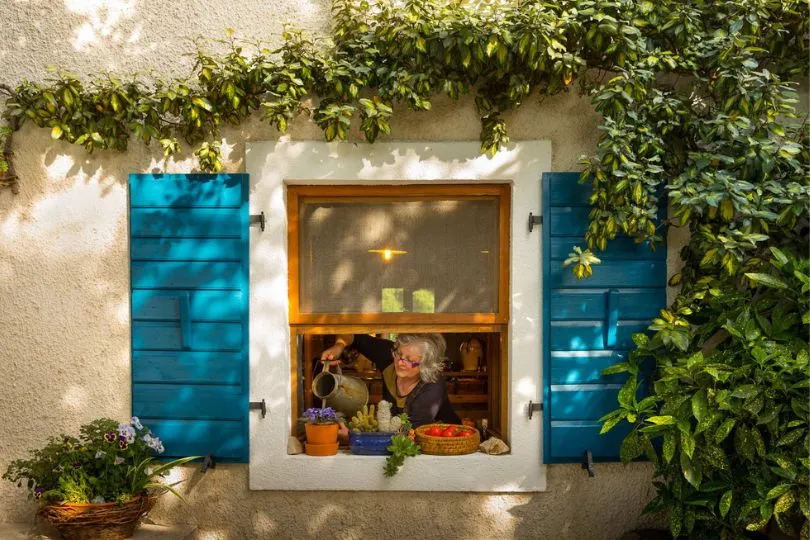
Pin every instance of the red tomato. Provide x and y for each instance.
(450, 431)
(434, 431)
(464, 433)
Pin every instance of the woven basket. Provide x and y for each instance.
(447, 446)
(107, 521)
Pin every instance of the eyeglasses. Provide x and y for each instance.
(397, 356)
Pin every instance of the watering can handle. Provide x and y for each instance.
(328, 364)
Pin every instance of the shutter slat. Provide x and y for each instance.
(586, 402)
(178, 249)
(186, 275)
(183, 190)
(227, 440)
(565, 189)
(212, 306)
(638, 273)
(568, 440)
(168, 336)
(592, 335)
(569, 368)
(185, 222)
(187, 367)
(187, 401)
(619, 248)
(572, 304)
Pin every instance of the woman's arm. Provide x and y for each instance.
(376, 349)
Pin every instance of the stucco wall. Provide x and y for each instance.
(64, 275)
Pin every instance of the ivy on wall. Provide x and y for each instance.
(697, 106)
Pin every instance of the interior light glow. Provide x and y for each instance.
(387, 254)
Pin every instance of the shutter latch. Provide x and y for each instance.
(259, 405)
(258, 219)
(534, 407)
(587, 463)
(534, 220)
(208, 462)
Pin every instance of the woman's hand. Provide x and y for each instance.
(343, 433)
(332, 354)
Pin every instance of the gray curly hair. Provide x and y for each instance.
(433, 347)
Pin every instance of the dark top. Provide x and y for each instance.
(427, 402)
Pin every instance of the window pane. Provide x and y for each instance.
(367, 255)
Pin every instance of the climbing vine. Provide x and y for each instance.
(699, 113)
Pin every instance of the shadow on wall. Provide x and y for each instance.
(576, 506)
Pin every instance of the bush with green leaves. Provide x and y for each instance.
(731, 412)
(108, 462)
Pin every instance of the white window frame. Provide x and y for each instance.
(272, 166)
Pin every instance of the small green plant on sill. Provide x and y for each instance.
(402, 445)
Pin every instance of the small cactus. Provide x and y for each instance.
(364, 420)
(384, 416)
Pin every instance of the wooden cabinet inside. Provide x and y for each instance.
(475, 394)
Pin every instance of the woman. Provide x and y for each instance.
(411, 369)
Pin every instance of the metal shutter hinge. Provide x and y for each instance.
(534, 407)
(258, 219)
(534, 220)
(587, 463)
(259, 405)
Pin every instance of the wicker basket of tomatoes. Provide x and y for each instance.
(447, 439)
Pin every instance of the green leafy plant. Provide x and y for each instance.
(108, 462)
(730, 409)
(402, 445)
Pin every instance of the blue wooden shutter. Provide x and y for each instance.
(588, 323)
(189, 279)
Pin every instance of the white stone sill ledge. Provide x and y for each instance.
(477, 472)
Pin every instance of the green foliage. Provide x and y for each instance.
(109, 462)
(733, 421)
(402, 445)
(381, 54)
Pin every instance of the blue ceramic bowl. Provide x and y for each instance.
(371, 443)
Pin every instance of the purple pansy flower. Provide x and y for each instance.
(38, 492)
(325, 415)
(109, 436)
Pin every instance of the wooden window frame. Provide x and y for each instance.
(411, 192)
(360, 323)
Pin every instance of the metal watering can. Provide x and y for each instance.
(343, 393)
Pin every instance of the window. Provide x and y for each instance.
(277, 166)
(417, 258)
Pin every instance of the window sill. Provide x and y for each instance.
(348, 472)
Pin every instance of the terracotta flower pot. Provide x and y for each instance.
(322, 433)
(327, 449)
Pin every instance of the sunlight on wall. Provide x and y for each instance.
(526, 388)
(497, 509)
(322, 519)
(104, 18)
(74, 398)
